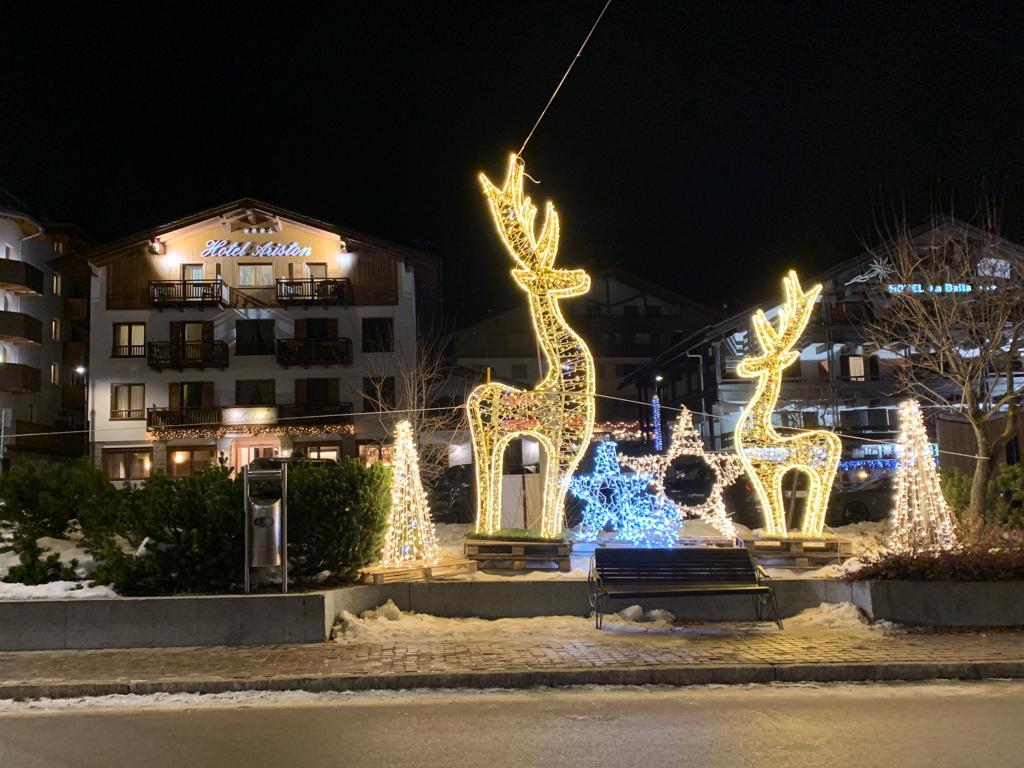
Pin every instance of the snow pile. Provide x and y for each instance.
(829, 616)
(869, 540)
(55, 590)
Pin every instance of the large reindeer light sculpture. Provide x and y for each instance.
(559, 411)
(768, 456)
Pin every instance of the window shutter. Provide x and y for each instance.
(300, 391)
(300, 328)
(174, 395)
(333, 391)
(207, 394)
(177, 331)
(332, 328)
(208, 332)
(873, 367)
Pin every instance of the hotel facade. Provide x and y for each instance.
(248, 331)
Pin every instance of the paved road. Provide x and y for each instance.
(909, 725)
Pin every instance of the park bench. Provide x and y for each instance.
(684, 572)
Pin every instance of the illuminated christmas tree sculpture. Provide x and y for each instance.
(623, 502)
(921, 520)
(686, 441)
(410, 535)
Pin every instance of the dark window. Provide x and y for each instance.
(192, 394)
(317, 391)
(631, 310)
(129, 340)
(254, 337)
(254, 392)
(653, 310)
(318, 328)
(1013, 451)
(377, 334)
(379, 393)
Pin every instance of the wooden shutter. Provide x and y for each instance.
(208, 332)
(174, 395)
(332, 328)
(333, 392)
(207, 394)
(300, 391)
(300, 328)
(177, 332)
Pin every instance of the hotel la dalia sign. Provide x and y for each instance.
(215, 248)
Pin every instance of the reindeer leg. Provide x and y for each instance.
(814, 510)
(778, 506)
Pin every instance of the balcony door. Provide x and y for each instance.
(191, 272)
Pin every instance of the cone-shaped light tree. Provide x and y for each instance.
(410, 535)
(921, 519)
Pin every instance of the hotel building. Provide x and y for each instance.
(247, 331)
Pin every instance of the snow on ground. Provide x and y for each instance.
(68, 549)
(55, 590)
(869, 539)
(387, 624)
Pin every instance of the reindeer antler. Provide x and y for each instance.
(514, 217)
(793, 317)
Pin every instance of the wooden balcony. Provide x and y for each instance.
(180, 355)
(19, 328)
(76, 311)
(183, 418)
(20, 277)
(310, 352)
(19, 379)
(307, 413)
(179, 294)
(314, 291)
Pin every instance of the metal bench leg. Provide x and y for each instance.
(775, 609)
(599, 612)
(759, 601)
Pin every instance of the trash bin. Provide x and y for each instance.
(265, 533)
(266, 521)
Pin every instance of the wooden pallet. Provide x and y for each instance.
(800, 552)
(379, 574)
(521, 555)
(707, 541)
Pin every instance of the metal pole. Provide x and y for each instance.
(284, 527)
(245, 524)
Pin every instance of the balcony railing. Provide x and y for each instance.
(20, 277)
(178, 418)
(188, 293)
(128, 350)
(127, 414)
(308, 352)
(254, 348)
(308, 413)
(314, 290)
(19, 378)
(186, 354)
(19, 328)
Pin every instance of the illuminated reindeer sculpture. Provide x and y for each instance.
(766, 454)
(559, 411)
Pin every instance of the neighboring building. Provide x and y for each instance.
(837, 382)
(247, 331)
(40, 346)
(625, 320)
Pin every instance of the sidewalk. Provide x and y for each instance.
(518, 659)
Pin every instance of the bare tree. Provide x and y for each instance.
(953, 314)
(421, 393)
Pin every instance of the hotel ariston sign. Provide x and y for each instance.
(248, 248)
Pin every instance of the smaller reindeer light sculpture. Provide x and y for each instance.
(767, 456)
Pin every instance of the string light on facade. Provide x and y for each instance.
(410, 536)
(686, 441)
(659, 443)
(921, 520)
(623, 503)
(766, 455)
(559, 411)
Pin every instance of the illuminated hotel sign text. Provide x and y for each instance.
(937, 288)
(248, 248)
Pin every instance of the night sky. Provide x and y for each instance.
(706, 146)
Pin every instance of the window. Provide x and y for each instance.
(318, 391)
(8, 251)
(255, 392)
(192, 272)
(379, 393)
(129, 340)
(519, 371)
(858, 367)
(377, 334)
(55, 373)
(55, 285)
(256, 275)
(182, 462)
(127, 401)
(55, 329)
(319, 328)
(128, 464)
(254, 337)
(631, 310)
(653, 310)
(331, 451)
(192, 394)
(316, 270)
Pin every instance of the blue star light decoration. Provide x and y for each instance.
(624, 502)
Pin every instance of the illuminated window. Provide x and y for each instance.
(192, 272)
(129, 340)
(55, 373)
(56, 286)
(127, 401)
(128, 464)
(55, 329)
(256, 275)
(185, 461)
(327, 451)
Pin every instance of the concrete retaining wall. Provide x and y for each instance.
(309, 617)
(945, 604)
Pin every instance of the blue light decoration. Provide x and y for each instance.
(869, 464)
(656, 423)
(623, 501)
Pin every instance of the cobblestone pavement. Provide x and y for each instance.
(723, 645)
